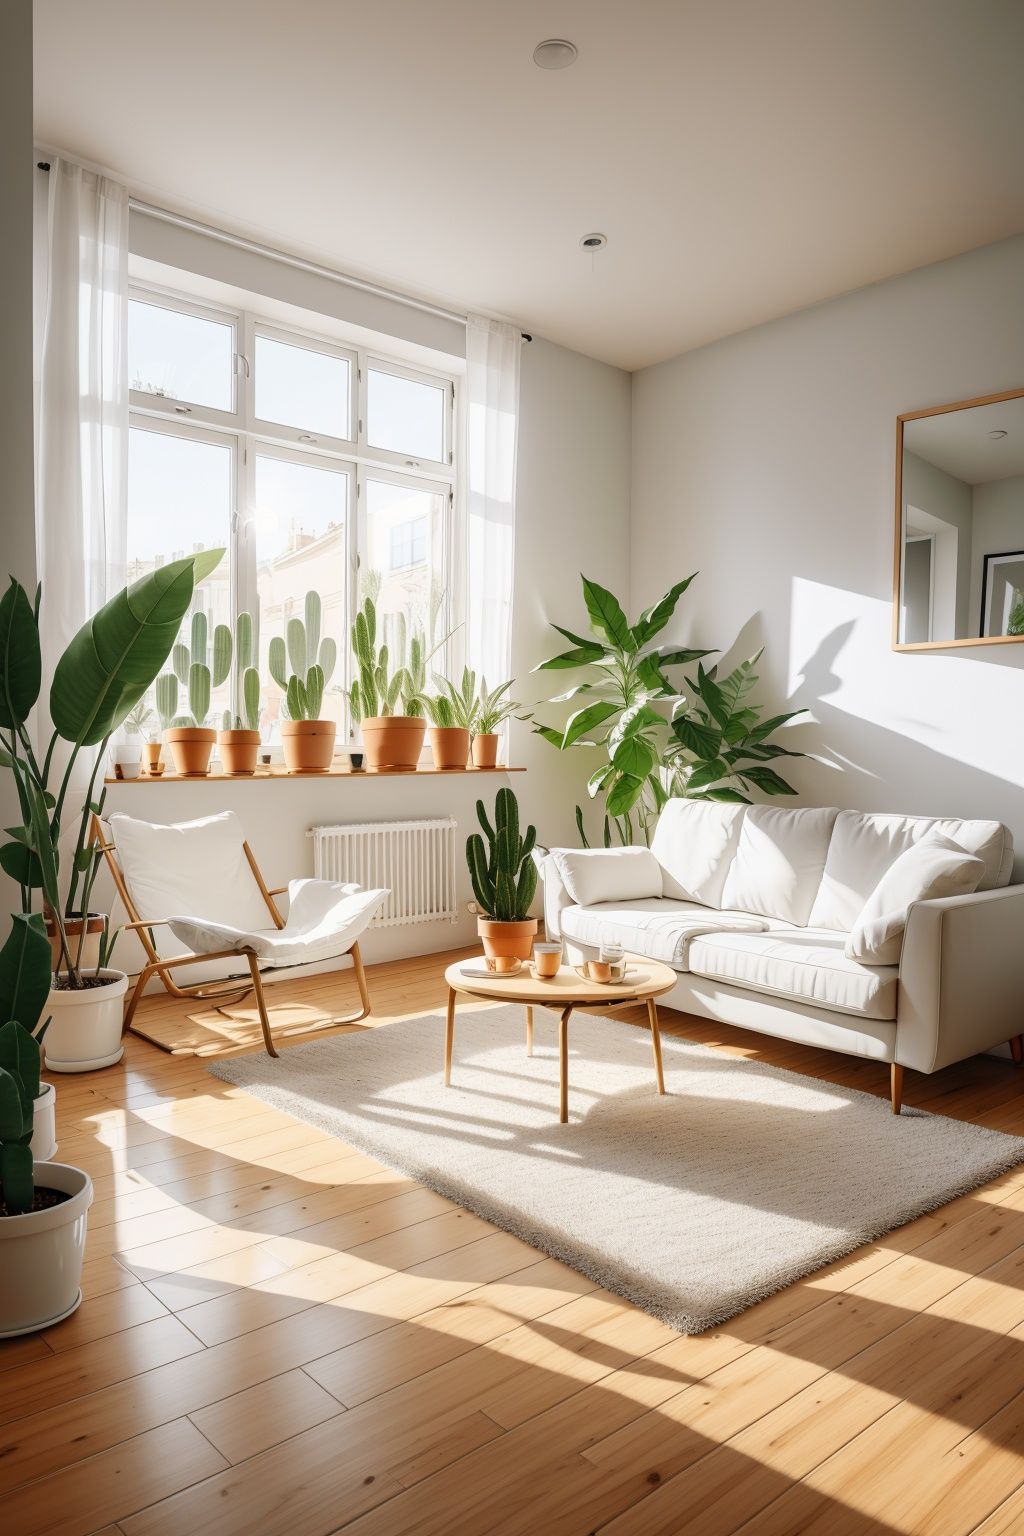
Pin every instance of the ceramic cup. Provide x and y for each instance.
(547, 958)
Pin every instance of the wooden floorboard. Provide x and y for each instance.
(282, 1336)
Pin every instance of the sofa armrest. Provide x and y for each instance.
(556, 897)
(961, 985)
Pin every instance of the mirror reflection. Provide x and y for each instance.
(961, 509)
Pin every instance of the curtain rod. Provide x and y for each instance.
(299, 262)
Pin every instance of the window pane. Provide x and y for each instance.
(298, 387)
(181, 357)
(300, 547)
(179, 502)
(404, 556)
(404, 415)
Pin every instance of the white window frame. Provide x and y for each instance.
(248, 436)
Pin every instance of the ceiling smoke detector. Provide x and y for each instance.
(593, 242)
(555, 53)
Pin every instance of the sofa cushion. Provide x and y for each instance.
(194, 868)
(779, 861)
(864, 845)
(608, 874)
(806, 965)
(934, 867)
(658, 929)
(694, 842)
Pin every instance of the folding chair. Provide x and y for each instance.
(200, 879)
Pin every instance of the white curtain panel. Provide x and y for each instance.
(82, 443)
(492, 394)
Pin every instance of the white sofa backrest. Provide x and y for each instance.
(864, 845)
(779, 862)
(695, 842)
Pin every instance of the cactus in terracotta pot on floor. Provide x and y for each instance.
(238, 740)
(504, 880)
(303, 664)
(189, 737)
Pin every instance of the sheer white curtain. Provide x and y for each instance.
(82, 434)
(492, 410)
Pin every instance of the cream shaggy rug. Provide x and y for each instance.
(742, 1179)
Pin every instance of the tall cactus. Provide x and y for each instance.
(196, 671)
(167, 699)
(247, 679)
(504, 875)
(310, 658)
(376, 691)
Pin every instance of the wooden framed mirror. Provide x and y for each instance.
(958, 574)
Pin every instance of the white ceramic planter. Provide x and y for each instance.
(43, 1145)
(41, 1255)
(85, 1026)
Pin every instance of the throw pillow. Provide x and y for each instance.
(936, 866)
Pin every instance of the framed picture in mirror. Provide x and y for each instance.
(958, 576)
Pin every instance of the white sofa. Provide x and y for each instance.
(753, 907)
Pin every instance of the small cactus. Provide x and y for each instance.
(504, 875)
(302, 663)
(191, 670)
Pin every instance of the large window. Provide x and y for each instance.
(319, 467)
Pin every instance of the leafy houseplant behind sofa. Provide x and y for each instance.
(892, 937)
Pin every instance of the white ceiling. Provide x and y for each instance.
(746, 158)
(959, 442)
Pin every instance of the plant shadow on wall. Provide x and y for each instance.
(702, 738)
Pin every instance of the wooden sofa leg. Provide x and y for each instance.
(261, 1003)
(896, 1088)
(1017, 1047)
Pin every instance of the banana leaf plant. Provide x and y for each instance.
(105, 672)
(719, 745)
(24, 987)
(623, 704)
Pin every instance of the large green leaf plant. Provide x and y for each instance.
(702, 738)
(104, 673)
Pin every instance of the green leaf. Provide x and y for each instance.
(767, 780)
(714, 698)
(582, 656)
(597, 779)
(21, 864)
(20, 663)
(578, 640)
(677, 656)
(708, 773)
(624, 794)
(606, 617)
(639, 718)
(653, 678)
(634, 757)
(25, 970)
(654, 619)
(728, 796)
(116, 656)
(702, 740)
(767, 727)
(550, 735)
(585, 720)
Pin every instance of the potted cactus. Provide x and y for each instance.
(307, 739)
(452, 714)
(43, 1204)
(504, 880)
(388, 702)
(238, 740)
(190, 739)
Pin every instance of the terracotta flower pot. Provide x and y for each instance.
(450, 746)
(191, 747)
(485, 751)
(73, 932)
(308, 745)
(238, 752)
(393, 741)
(513, 941)
(151, 758)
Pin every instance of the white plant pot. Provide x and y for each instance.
(43, 1145)
(41, 1255)
(85, 1026)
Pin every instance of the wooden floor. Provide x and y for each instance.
(281, 1336)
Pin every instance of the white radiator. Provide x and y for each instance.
(414, 859)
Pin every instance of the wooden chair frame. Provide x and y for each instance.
(233, 989)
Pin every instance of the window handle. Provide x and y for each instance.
(242, 363)
(183, 410)
(306, 437)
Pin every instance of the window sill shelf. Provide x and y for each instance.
(278, 771)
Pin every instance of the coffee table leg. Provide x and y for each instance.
(652, 1014)
(563, 1066)
(529, 1031)
(449, 1037)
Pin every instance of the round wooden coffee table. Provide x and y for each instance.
(643, 982)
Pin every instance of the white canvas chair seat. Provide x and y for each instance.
(200, 879)
(324, 920)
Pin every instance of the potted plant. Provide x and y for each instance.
(492, 710)
(391, 738)
(126, 752)
(449, 741)
(43, 1204)
(105, 671)
(504, 880)
(238, 740)
(190, 739)
(24, 988)
(307, 739)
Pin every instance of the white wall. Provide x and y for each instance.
(17, 519)
(766, 461)
(945, 502)
(998, 521)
